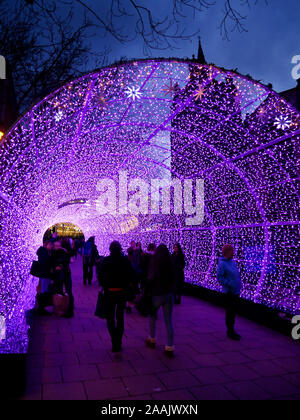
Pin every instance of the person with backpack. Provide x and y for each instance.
(90, 257)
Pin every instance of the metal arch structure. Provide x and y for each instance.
(155, 119)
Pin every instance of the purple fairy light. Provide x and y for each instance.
(155, 119)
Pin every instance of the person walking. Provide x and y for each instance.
(115, 276)
(45, 262)
(161, 286)
(132, 253)
(54, 237)
(62, 274)
(90, 257)
(76, 248)
(67, 280)
(146, 262)
(81, 246)
(138, 262)
(131, 248)
(229, 277)
(178, 260)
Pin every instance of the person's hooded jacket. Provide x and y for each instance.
(229, 276)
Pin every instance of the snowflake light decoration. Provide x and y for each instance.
(133, 93)
(283, 122)
(58, 116)
(199, 93)
(170, 89)
(54, 156)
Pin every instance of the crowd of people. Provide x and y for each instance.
(54, 259)
(155, 274)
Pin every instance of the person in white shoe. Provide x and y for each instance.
(161, 286)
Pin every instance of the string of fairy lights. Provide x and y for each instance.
(157, 119)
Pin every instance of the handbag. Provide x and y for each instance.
(35, 270)
(101, 307)
(61, 305)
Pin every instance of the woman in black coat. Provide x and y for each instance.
(178, 260)
(61, 258)
(116, 276)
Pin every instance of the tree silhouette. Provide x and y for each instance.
(42, 48)
(47, 42)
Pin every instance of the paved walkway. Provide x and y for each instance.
(71, 359)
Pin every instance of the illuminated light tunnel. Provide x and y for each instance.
(155, 119)
(66, 230)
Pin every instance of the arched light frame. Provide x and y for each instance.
(157, 118)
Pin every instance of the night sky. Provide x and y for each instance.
(265, 51)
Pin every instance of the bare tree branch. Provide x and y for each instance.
(47, 42)
(233, 20)
(43, 48)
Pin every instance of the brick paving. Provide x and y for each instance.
(70, 359)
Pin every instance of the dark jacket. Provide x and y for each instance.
(93, 254)
(45, 262)
(161, 280)
(115, 273)
(61, 258)
(146, 262)
(178, 261)
(135, 257)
